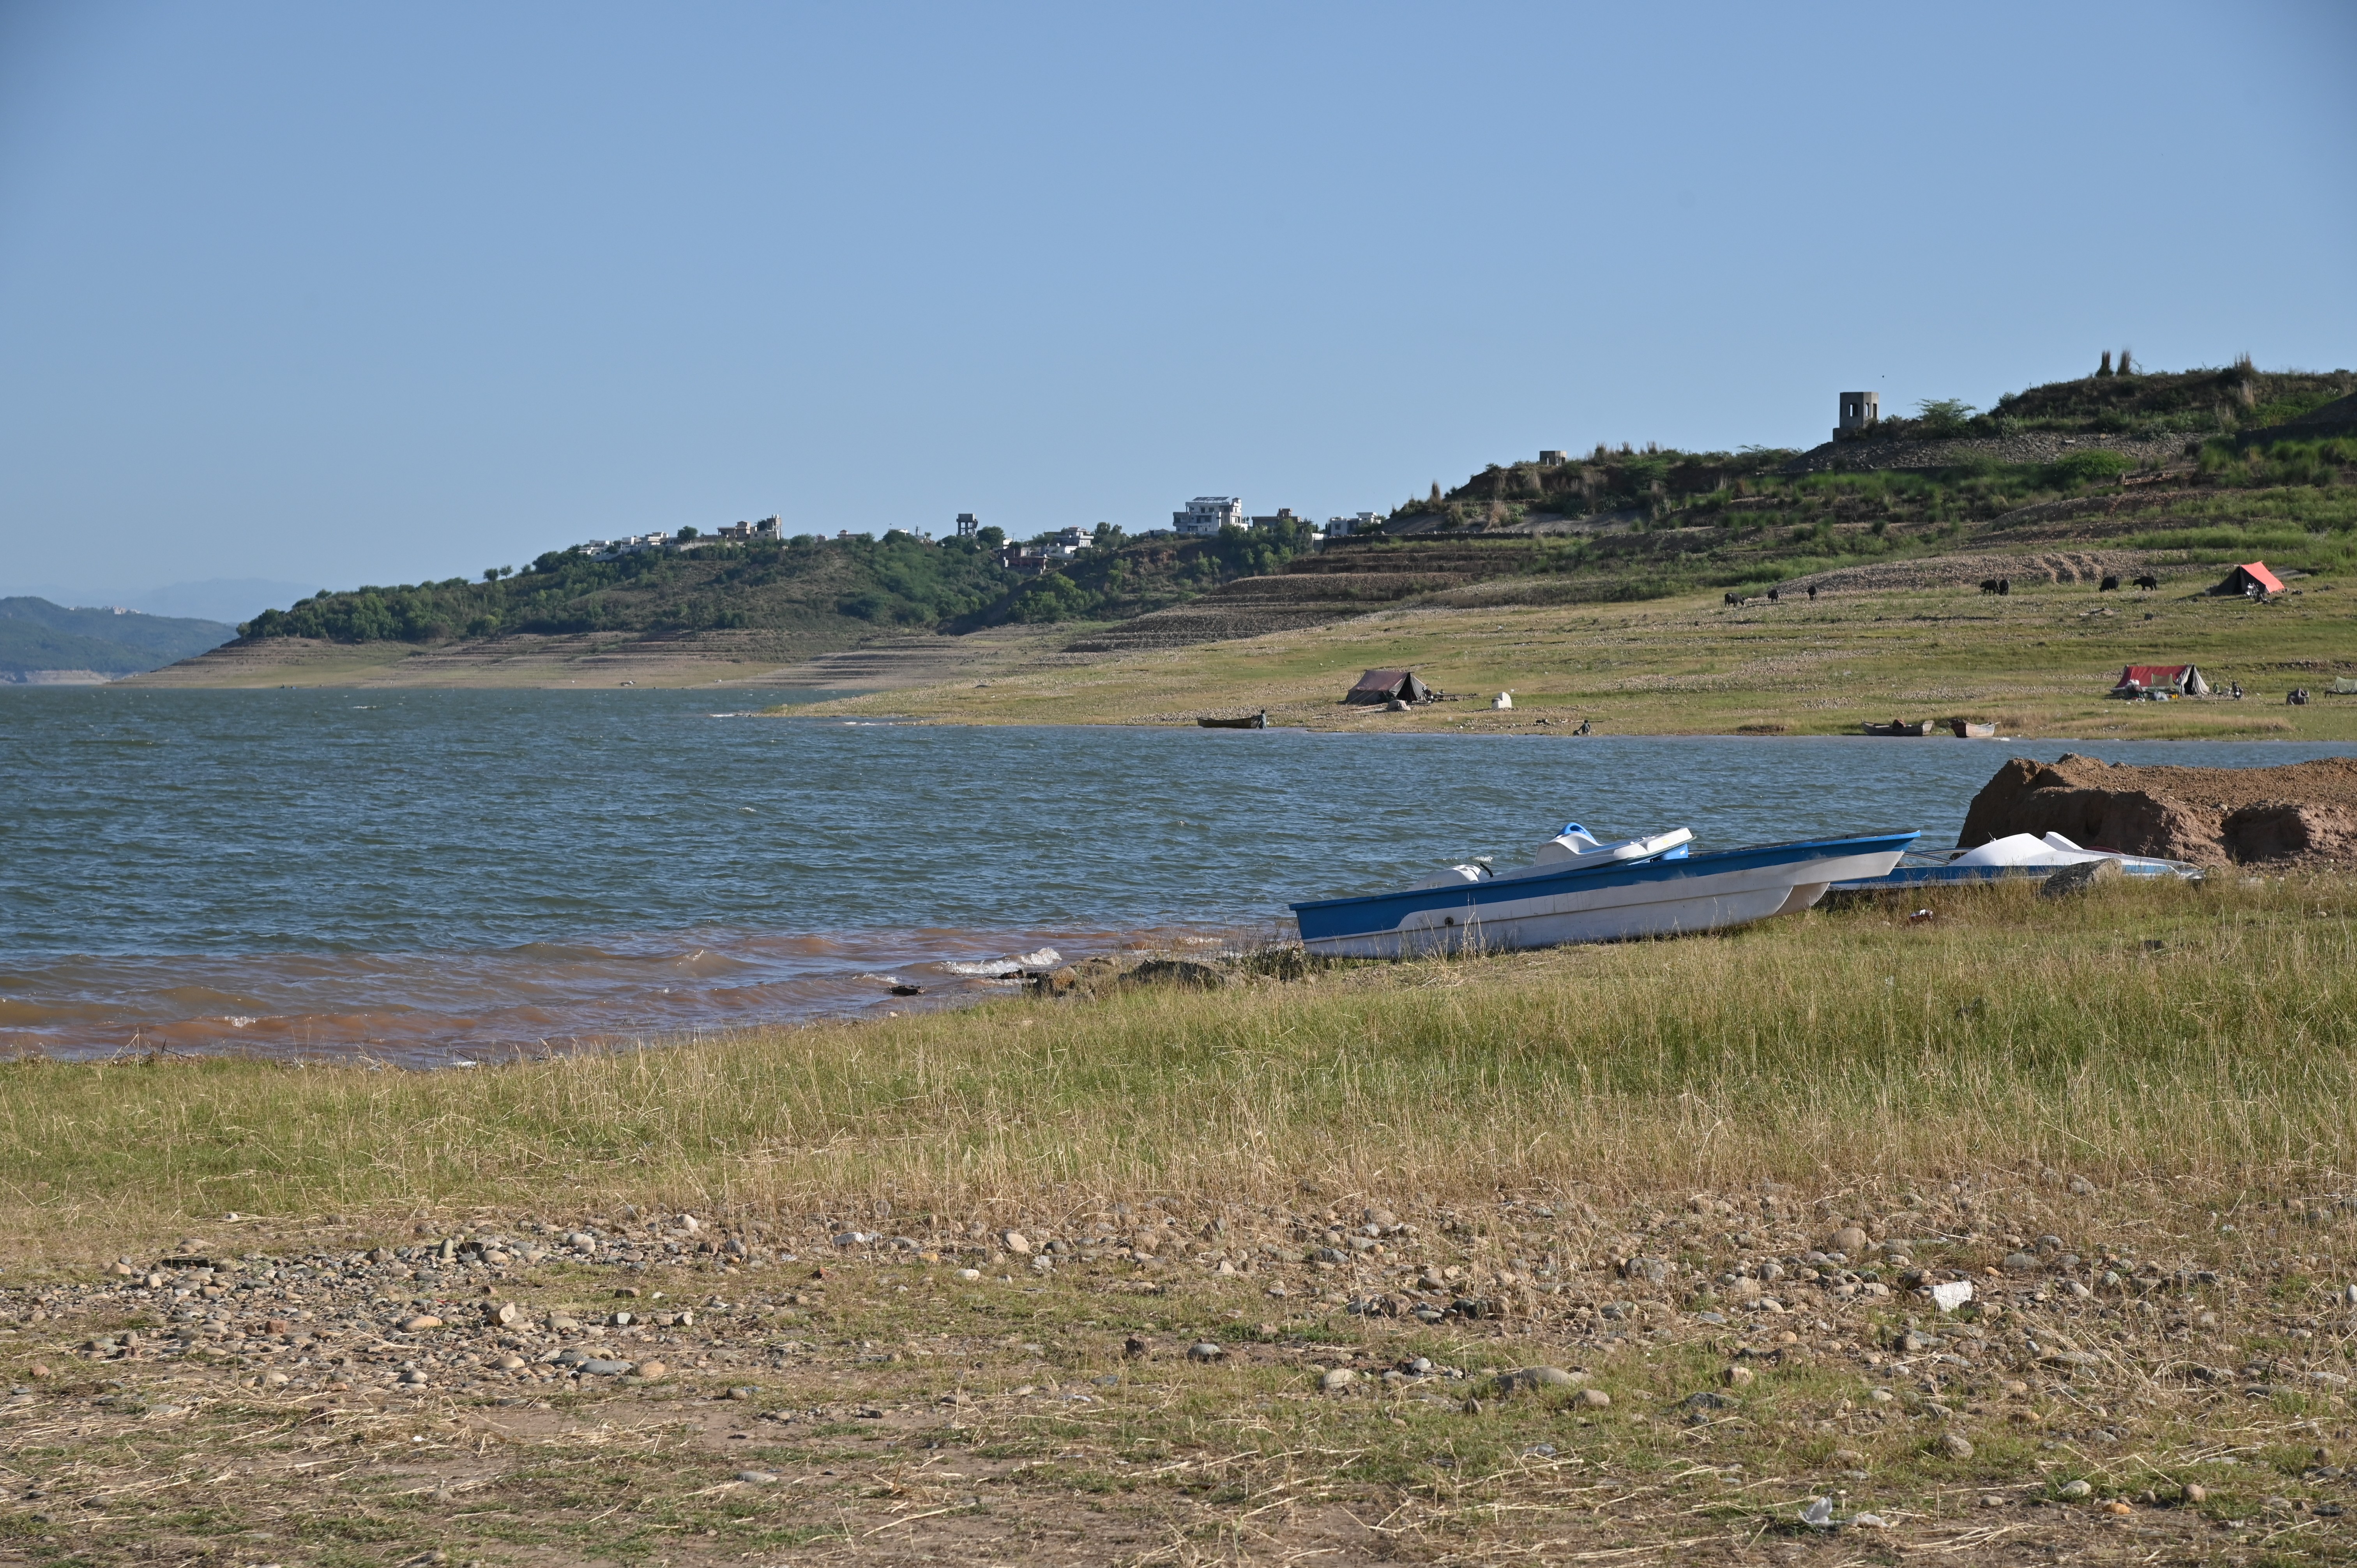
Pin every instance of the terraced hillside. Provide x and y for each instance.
(1348, 578)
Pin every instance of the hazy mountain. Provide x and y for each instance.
(37, 636)
(225, 599)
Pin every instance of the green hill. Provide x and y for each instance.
(36, 636)
(2141, 461)
(2121, 458)
(830, 592)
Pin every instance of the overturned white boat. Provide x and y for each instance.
(2016, 854)
(1580, 890)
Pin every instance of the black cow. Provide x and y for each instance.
(2108, 585)
(2148, 581)
(1771, 595)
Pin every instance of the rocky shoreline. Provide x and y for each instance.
(2000, 1327)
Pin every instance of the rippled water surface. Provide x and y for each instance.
(430, 876)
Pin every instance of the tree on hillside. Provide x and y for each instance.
(1944, 415)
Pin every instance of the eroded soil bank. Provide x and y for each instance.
(2305, 813)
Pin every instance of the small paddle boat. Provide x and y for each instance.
(1578, 889)
(2017, 855)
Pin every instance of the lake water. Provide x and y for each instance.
(427, 877)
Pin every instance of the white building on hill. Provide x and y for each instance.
(1209, 515)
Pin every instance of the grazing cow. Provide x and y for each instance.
(2148, 581)
(2003, 586)
(1735, 601)
(1988, 585)
(1812, 590)
(2109, 584)
(1771, 595)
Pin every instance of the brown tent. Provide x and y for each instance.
(1378, 686)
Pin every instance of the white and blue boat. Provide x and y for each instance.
(2016, 854)
(1580, 890)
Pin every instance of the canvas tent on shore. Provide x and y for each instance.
(2182, 679)
(1389, 685)
(2250, 578)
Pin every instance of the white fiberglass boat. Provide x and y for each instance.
(2016, 854)
(1579, 890)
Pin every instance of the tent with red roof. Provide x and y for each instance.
(2250, 578)
(2182, 679)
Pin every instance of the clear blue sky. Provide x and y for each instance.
(351, 293)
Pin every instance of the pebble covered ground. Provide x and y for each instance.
(2000, 1367)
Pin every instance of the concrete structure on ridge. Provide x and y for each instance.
(1209, 515)
(1859, 411)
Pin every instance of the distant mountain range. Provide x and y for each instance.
(226, 599)
(42, 643)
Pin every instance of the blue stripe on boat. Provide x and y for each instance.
(1325, 917)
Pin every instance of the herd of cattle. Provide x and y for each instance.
(1988, 585)
(1737, 601)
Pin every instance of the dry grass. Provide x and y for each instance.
(2156, 1030)
(2039, 662)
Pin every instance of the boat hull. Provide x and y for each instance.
(1595, 904)
(1906, 877)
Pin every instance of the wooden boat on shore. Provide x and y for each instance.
(1578, 890)
(1257, 721)
(1965, 729)
(1899, 726)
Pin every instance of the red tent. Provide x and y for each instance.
(2249, 575)
(2138, 679)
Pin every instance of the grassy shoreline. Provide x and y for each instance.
(2127, 1118)
(2171, 1031)
(2038, 662)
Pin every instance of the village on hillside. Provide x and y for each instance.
(1202, 516)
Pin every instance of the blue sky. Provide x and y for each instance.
(337, 293)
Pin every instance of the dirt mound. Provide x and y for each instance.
(2212, 816)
